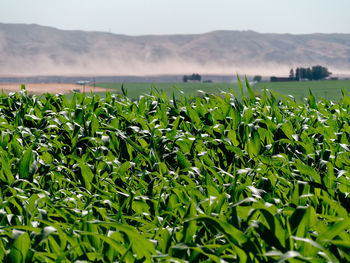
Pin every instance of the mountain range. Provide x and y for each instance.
(29, 49)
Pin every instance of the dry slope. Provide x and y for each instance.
(34, 49)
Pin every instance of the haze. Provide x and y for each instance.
(142, 17)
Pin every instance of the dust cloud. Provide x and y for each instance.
(92, 66)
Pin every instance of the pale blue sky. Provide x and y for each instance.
(139, 17)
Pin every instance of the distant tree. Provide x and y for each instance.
(196, 76)
(315, 73)
(257, 78)
(318, 72)
(193, 77)
(297, 74)
(303, 73)
(308, 74)
(291, 74)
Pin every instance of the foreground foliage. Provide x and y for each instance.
(209, 178)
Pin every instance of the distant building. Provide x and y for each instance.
(280, 79)
(82, 82)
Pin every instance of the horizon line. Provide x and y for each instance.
(177, 34)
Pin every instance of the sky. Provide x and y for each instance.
(143, 17)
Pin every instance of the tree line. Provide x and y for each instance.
(193, 77)
(314, 73)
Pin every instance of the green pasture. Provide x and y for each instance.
(328, 89)
(189, 89)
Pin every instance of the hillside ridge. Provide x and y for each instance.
(35, 49)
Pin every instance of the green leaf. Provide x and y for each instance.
(5, 168)
(20, 247)
(254, 144)
(311, 100)
(250, 91)
(334, 230)
(182, 160)
(241, 88)
(124, 167)
(87, 175)
(25, 163)
(234, 235)
(125, 91)
(308, 171)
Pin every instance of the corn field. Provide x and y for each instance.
(214, 179)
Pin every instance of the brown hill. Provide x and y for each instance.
(39, 50)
